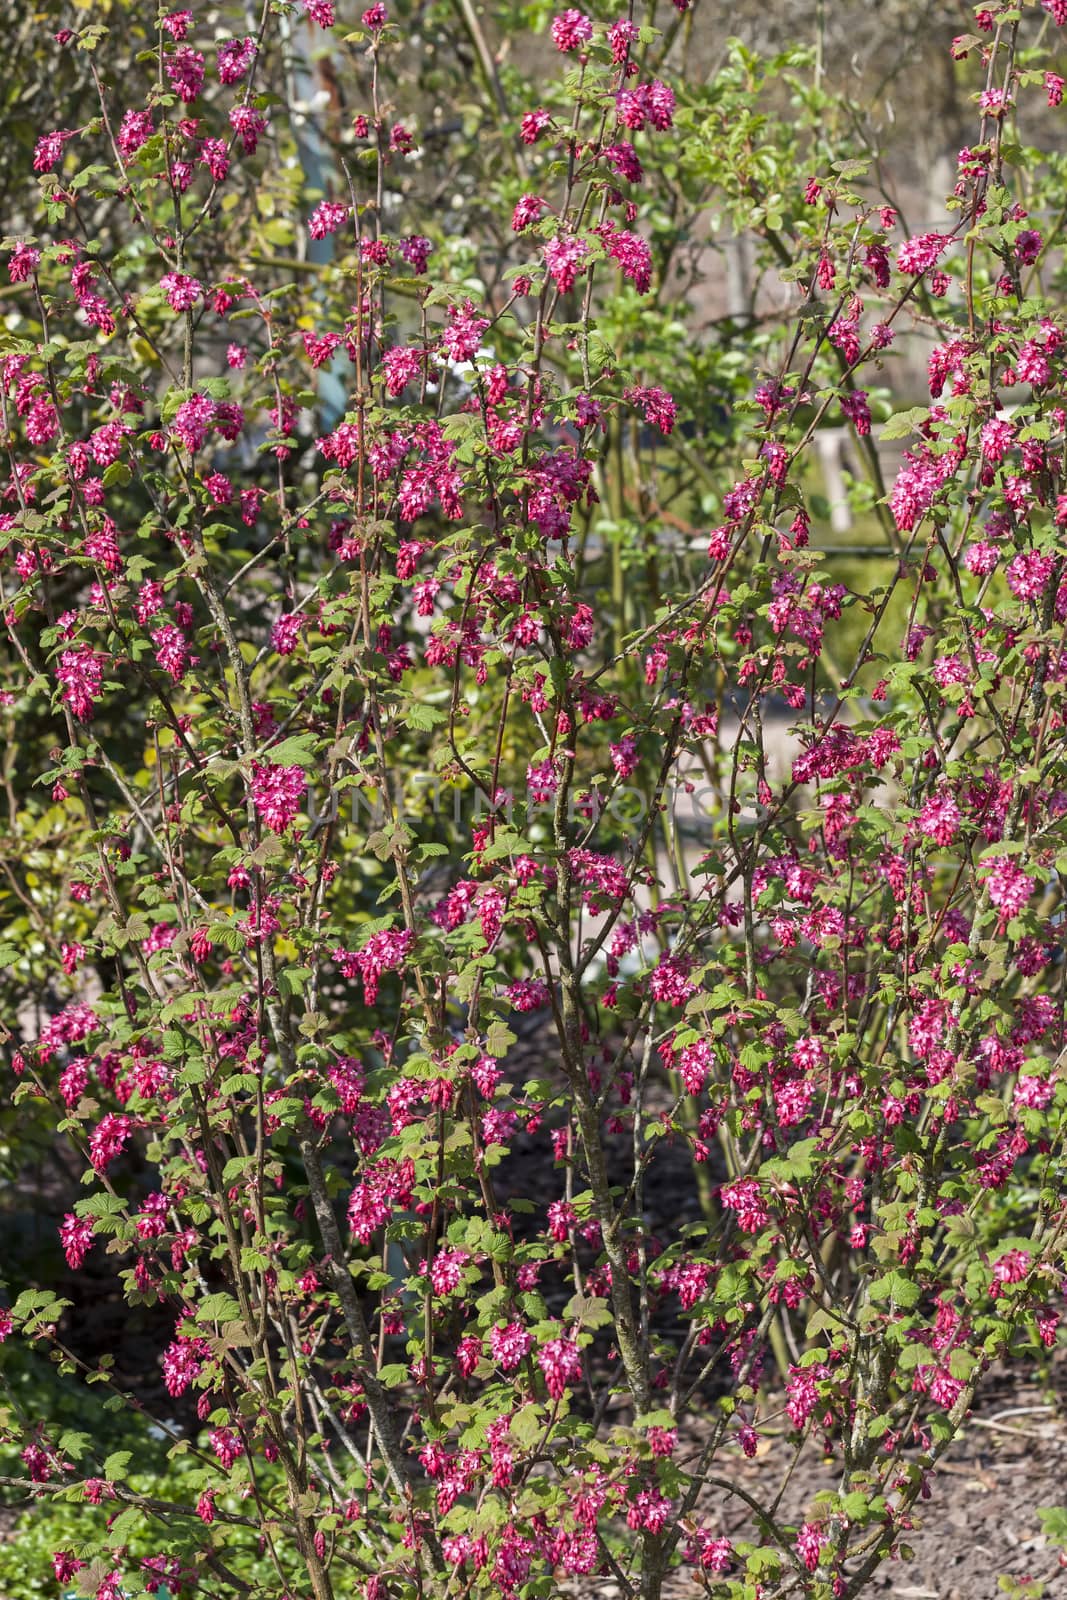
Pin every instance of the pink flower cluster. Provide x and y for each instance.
(276, 792)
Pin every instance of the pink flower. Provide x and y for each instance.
(745, 1198)
(216, 158)
(402, 365)
(998, 436)
(659, 407)
(192, 420)
(385, 1184)
(327, 217)
(416, 251)
(219, 488)
(810, 1541)
(108, 1139)
(562, 1217)
(226, 1445)
(621, 35)
(651, 103)
(249, 125)
(1009, 886)
(177, 24)
(469, 1353)
(80, 671)
(136, 129)
(542, 782)
(182, 292)
(565, 257)
(981, 558)
(446, 1274)
(463, 331)
(42, 422)
(916, 484)
(185, 69)
(40, 1463)
(622, 158)
(940, 819)
(1047, 1324)
(106, 445)
(945, 1390)
(276, 793)
(669, 983)
(1028, 574)
(1034, 1092)
(528, 994)
(534, 124)
(777, 458)
(1011, 1267)
(286, 631)
(855, 409)
(181, 1364)
(561, 1363)
(714, 1555)
(342, 445)
(1028, 246)
(320, 349)
(527, 210)
(920, 253)
(76, 1235)
(803, 1392)
(49, 148)
(662, 1441)
(571, 29)
(72, 956)
(25, 260)
(1032, 365)
(844, 336)
(632, 254)
(498, 1126)
(624, 756)
(649, 1510)
(509, 1345)
(793, 1102)
(235, 58)
(172, 651)
(994, 102)
(386, 951)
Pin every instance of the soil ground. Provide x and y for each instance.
(981, 1520)
(979, 1525)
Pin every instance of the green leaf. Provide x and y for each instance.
(299, 751)
(420, 717)
(125, 1526)
(218, 1308)
(293, 981)
(896, 1288)
(903, 423)
(73, 1444)
(1054, 1523)
(527, 1426)
(499, 1039)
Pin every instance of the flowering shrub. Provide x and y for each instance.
(310, 1033)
